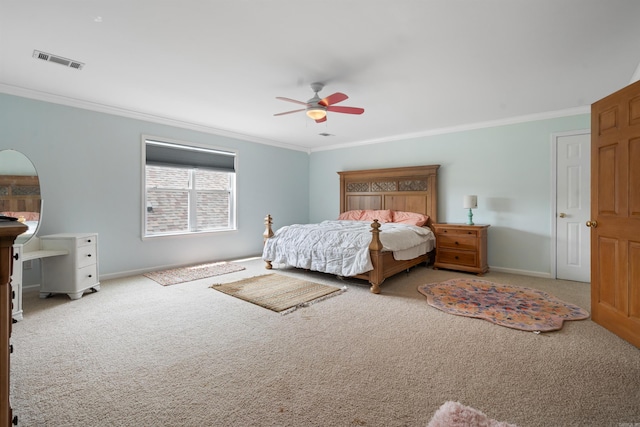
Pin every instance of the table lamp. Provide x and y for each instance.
(470, 202)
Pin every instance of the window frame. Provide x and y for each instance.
(233, 226)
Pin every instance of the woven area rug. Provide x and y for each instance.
(506, 305)
(193, 272)
(455, 414)
(277, 292)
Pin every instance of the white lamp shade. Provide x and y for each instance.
(470, 202)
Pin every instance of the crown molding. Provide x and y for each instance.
(122, 112)
(472, 126)
(101, 108)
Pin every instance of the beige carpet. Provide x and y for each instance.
(277, 292)
(139, 354)
(178, 275)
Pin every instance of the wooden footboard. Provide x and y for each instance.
(384, 265)
(268, 233)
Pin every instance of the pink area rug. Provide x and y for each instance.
(506, 305)
(193, 272)
(455, 414)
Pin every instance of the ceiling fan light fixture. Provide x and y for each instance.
(316, 113)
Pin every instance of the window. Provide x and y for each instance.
(187, 189)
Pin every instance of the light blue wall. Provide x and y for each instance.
(89, 165)
(507, 167)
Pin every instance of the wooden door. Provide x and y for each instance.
(615, 213)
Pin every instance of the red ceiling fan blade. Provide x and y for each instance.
(290, 100)
(324, 119)
(333, 99)
(289, 112)
(347, 110)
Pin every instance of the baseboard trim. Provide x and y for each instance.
(165, 267)
(31, 288)
(521, 272)
(140, 271)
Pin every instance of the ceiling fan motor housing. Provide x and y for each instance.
(317, 108)
(317, 87)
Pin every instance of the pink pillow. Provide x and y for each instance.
(354, 215)
(381, 215)
(410, 218)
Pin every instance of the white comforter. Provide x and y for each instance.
(342, 247)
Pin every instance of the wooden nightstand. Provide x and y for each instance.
(461, 247)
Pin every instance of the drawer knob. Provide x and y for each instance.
(11, 348)
(88, 240)
(457, 243)
(89, 255)
(90, 276)
(457, 257)
(15, 256)
(14, 421)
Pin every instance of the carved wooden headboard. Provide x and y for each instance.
(19, 193)
(409, 189)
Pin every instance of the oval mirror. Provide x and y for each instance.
(20, 192)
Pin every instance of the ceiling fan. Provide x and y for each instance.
(317, 108)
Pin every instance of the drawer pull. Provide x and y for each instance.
(89, 255)
(10, 348)
(15, 256)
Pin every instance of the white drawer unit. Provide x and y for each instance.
(16, 283)
(72, 274)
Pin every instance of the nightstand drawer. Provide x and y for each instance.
(457, 231)
(449, 256)
(458, 241)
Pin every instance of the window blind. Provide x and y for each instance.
(176, 155)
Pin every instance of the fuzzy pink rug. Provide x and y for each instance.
(505, 305)
(455, 414)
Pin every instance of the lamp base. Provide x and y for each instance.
(470, 220)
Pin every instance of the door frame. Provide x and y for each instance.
(554, 194)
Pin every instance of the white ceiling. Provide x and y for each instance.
(417, 67)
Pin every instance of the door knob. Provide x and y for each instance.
(562, 214)
(592, 224)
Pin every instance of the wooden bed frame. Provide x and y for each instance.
(409, 189)
(19, 193)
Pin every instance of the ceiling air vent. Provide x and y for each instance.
(58, 60)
